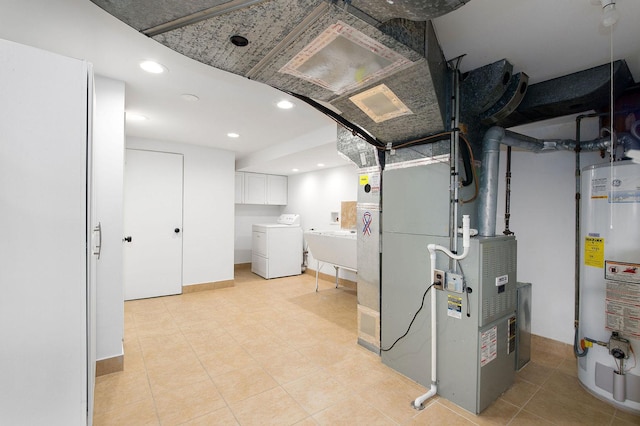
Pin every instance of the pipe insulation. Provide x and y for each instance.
(491, 142)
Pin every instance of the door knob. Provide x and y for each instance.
(177, 230)
(127, 239)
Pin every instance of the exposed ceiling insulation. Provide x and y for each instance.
(328, 51)
(378, 64)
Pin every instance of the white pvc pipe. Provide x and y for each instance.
(417, 403)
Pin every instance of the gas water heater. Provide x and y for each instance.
(610, 283)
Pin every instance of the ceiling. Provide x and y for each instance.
(543, 38)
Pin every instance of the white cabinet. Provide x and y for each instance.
(48, 293)
(277, 190)
(257, 188)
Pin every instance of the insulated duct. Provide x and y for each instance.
(493, 138)
(378, 63)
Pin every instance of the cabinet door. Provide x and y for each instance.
(239, 188)
(255, 188)
(276, 190)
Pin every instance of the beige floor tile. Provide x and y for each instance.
(438, 414)
(535, 373)
(498, 413)
(114, 391)
(327, 354)
(204, 343)
(182, 404)
(225, 361)
(220, 417)
(267, 347)
(562, 408)
(352, 411)
(520, 392)
(568, 366)
(166, 378)
(317, 391)
(155, 304)
(137, 413)
(627, 417)
(309, 421)
(525, 418)
(273, 407)
(395, 403)
(133, 360)
(568, 385)
(241, 384)
(288, 367)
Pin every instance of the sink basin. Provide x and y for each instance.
(338, 247)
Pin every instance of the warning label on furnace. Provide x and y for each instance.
(594, 252)
(488, 345)
(454, 306)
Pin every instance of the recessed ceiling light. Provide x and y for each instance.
(189, 97)
(131, 116)
(152, 67)
(233, 135)
(295, 170)
(285, 104)
(320, 164)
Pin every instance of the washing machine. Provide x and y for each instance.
(276, 249)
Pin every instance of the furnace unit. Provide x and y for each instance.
(476, 301)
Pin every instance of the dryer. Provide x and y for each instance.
(276, 249)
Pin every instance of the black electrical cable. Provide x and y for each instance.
(411, 323)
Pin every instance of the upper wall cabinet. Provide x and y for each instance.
(277, 190)
(256, 188)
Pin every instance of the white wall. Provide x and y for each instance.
(543, 220)
(315, 195)
(208, 223)
(108, 176)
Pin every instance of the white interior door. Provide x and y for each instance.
(152, 224)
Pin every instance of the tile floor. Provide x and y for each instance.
(275, 352)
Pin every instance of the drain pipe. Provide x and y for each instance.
(488, 202)
(418, 402)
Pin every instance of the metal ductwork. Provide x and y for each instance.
(493, 138)
(378, 63)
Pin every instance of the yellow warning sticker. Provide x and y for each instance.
(364, 179)
(594, 252)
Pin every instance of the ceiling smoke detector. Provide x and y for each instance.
(380, 104)
(342, 58)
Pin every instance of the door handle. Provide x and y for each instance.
(97, 231)
(177, 230)
(127, 239)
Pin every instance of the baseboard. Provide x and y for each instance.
(109, 365)
(241, 266)
(332, 278)
(207, 286)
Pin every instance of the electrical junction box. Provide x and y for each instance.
(454, 282)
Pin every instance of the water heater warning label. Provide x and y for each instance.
(623, 297)
(594, 252)
(488, 345)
